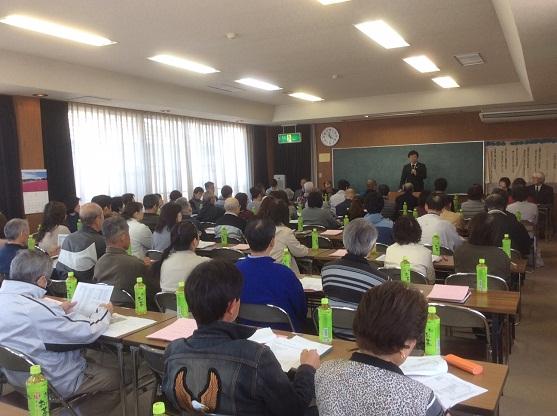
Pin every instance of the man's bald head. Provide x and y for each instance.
(91, 214)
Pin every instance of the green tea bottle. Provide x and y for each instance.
(325, 318)
(405, 209)
(300, 222)
(286, 257)
(140, 292)
(79, 225)
(415, 213)
(223, 236)
(432, 332)
(37, 393)
(481, 276)
(518, 216)
(507, 245)
(71, 285)
(182, 310)
(314, 239)
(456, 203)
(345, 220)
(405, 270)
(436, 245)
(31, 242)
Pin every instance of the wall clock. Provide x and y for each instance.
(329, 136)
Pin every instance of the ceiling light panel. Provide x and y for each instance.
(183, 64)
(382, 33)
(328, 2)
(306, 97)
(421, 63)
(445, 82)
(54, 29)
(256, 83)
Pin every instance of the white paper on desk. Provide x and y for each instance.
(331, 232)
(431, 365)
(89, 297)
(435, 258)
(121, 325)
(312, 283)
(263, 336)
(205, 244)
(450, 389)
(380, 258)
(210, 230)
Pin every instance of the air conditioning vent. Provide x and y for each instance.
(469, 59)
(518, 115)
(225, 87)
(89, 98)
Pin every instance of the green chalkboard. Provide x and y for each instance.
(460, 163)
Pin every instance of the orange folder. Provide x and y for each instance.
(464, 364)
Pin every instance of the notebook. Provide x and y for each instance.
(182, 328)
(312, 283)
(449, 293)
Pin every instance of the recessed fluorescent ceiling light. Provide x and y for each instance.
(183, 64)
(382, 33)
(421, 63)
(307, 97)
(252, 82)
(327, 2)
(54, 29)
(445, 82)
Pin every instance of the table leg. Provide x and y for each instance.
(120, 350)
(134, 352)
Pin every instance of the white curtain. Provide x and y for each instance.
(117, 151)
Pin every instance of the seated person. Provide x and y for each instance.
(225, 192)
(475, 204)
(440, 185)
(105, 202)
(116, 267)
(506, 223)
(16, 231)
(179, 258)
(53, 336)
(72, 210)
(371, 186)
(539, 191)
(81, 250)
(174, 195)
(408, 197)
(267, 282)
(343, 207)
(116, 205)
(53, 224)
(231, 221)
(455, 218)
(408, 233)
(245, 213)
(274, 186)
(431, 224)
(389, 321)
(528, 210)
(256, 198)
(197, 200)
(505, 184)
(186, 212)
(151, 209)
(219, 367)
(422, 199)
(482, 244)
(141, 236)
(171, 214)
(374, 205)
(389, 207)
(127, 198)
(209, 212)
(283, 196)
(345, 280)
(340, 195)
(277, 211)
(356, 209)
(315, 214)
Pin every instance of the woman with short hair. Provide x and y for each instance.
(389, 321)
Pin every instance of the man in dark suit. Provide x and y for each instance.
(542, 193)
(413, 172)
(408, 197)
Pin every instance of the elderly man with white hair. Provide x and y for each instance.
(542, 193)
(231, 221)
(17, 232)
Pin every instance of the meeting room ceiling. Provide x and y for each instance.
(299, 45)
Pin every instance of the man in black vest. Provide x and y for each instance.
(414, 172)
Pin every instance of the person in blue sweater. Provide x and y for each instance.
(267, 282)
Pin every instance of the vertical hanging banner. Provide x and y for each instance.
(35, 190)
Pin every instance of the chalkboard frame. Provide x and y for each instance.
(416, 146)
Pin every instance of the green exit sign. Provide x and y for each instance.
(289, 138)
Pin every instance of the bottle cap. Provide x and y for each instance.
(71, 274)
(324, 301)
(431, 309)
(35, 370)
(315, 229)
(181, 284)
(159, 408)
(506, 236)
(482, 261)
(139, 280)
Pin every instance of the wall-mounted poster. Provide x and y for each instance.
(35, 190)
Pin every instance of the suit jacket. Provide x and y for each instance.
(416, 180)
(507, 223)
(544, 196)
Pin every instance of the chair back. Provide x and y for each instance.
(381, 248)
(415, 277)
(154, 255)
(121, 297)
(470, 279)
(154, 359)
(57, 288)
(343, 318)
(515, 254)
(464, 331)
(225, 253)
(13, 360)
(319, 228)
(166, 301)
(323, 242)
(265, 314)
(445, 251)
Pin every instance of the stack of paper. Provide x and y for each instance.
(312, 283)
(450, 389)
(287, 350)
(331, 232)
(241, 247)
(339, 253)
(380, 258)
(429, 365)
(205, 244)
(88, 297)
(182, 328)
(449, 293)
(121, 325)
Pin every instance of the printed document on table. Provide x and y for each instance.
(89, 297)
(450, 389)
(429, 365)
(312, 283)
(121, 325)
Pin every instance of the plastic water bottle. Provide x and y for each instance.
(405, 270)
(432, 332)
(436, 245)
(507, 245)
(223, 236)
(314, 239)
(325, 318)
(518, 216)
(300, 222)
(37, 393)
(71, 284)
(405, 209)
(345, 220)
(79, 225)
(129, 250)
(481, 276)
(286, 257)
(159, 409)
(182, 310)
(415, 213)
(31, 242)
(140, 292)
(456, 203)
